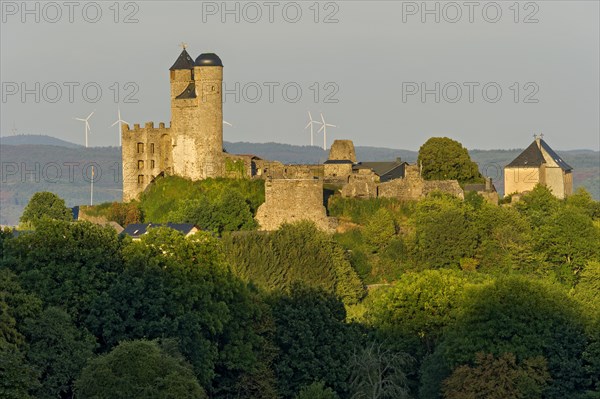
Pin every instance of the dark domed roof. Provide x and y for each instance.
(208, 59)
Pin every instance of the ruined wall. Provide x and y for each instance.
(361, 185)
(337, 171)
(146, 152)
(276, 170)
(444, 186)
(293, 200)
(412, 187)
(342, 150)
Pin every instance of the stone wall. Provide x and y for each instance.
(361, 185)
(342, 150)
(146, 152)
(293, 200)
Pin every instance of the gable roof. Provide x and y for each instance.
(531, 157)
(136, 230)
(184, 61)
(385, 170)
(562, 164)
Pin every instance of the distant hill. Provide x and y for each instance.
(31, 163)
(25, 139)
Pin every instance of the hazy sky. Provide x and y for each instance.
(364, 64)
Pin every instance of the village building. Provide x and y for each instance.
(538, 164)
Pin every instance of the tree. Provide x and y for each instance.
(414, 312)
(379, 373)
(179, 287)
(379, 229)
(498, 378)
(313, 339)
(67, 265)
(57, 351)
(444, 233)
(125, 213)
(138, 369)
(296, 253)
(316, 390)
(446, 159)
(569, 239)
(525, 317)
(227, 212)
(538, 205)
(45, 205)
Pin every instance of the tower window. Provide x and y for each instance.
(140, 179)
(152, 148)
(140, 164)
(152, 164)
(140, 148)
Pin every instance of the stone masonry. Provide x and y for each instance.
(293, 200)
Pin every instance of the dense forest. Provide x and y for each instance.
(440, 298)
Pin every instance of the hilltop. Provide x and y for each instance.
(24, 151)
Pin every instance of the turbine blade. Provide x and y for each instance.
(114, 123)
(309, 123)
(90, 115)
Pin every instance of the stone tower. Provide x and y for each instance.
(192, 146)
(197, 116)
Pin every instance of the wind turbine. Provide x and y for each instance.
(310, 124)
(87, 126)
(120, 122)
(324, 129)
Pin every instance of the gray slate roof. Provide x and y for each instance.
(385, 170)
(184, 61)
(532, 157)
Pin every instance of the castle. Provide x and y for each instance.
(192, 147)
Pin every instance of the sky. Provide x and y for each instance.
(386, 73)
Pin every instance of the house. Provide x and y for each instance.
(538, 164)
(385, 170)
(137, 230)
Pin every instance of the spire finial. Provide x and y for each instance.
(183, 45)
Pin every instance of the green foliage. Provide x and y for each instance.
(229, 212)
(498, 378)
(524, 317)
(179, 287)
(446, 159)
(379, 373)
(57, 351)
(505, 242)
(138, 369)
(166, 194)
(45, 205)
(316, 390)
(17, 379)
(125, 213)
(414, 312)
(444, 232)
(587, 290)
(314, 342)
(295, 253)
(66, 264)
(379, 229)
(569, 239)
(538, 205)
